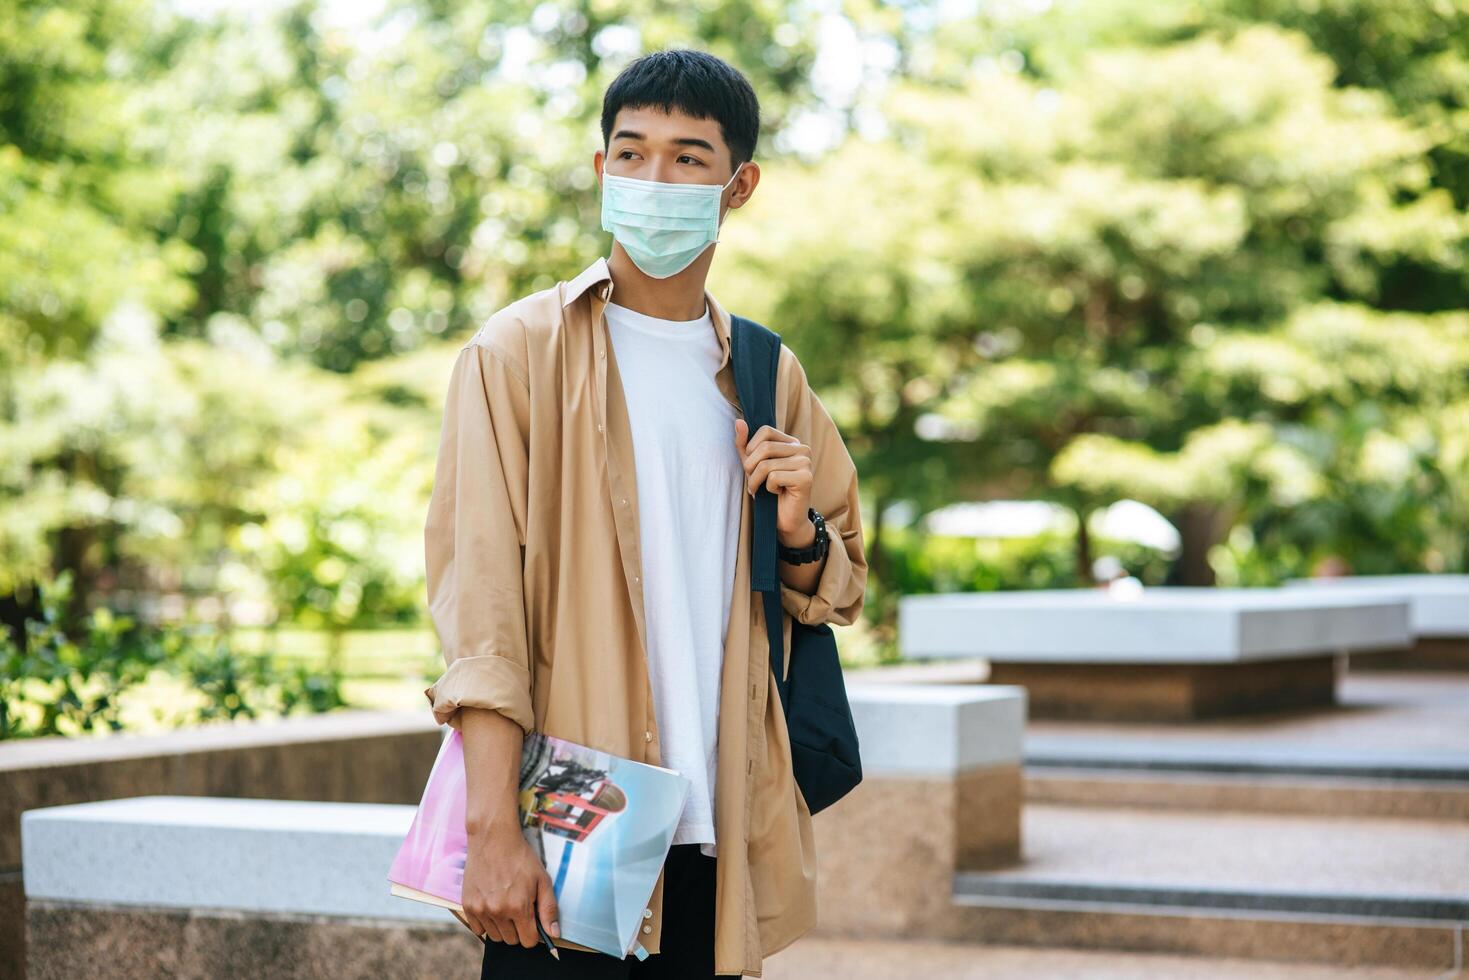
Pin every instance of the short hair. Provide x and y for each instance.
(696, 84)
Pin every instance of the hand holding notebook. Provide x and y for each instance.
(601, 825)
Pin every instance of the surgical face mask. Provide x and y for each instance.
(662, 227)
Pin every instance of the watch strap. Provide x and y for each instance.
(813, 551)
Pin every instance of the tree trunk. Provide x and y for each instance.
(1083, 549)
(874, 546)
(1199, 527)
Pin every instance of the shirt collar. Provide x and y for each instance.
(598, 278)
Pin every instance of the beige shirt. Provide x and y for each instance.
(535, 587)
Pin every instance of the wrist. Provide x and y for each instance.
(801, 536)
(493, 826)
(804, 546)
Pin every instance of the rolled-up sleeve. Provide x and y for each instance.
(841, 588)
(474, 540)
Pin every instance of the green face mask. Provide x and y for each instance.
(662, 227)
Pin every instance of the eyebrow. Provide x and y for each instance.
(681, 141)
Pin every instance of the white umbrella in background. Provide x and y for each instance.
(1125, 520)
(999, 519)
(1129, 520)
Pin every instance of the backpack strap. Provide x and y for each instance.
(755, 351)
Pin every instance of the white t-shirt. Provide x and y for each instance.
(689, 481)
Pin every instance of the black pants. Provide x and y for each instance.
(687, 951)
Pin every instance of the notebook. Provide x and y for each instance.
(600, 823)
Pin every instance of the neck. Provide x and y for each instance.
(679, 297)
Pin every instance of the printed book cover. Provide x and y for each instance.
(600, 823)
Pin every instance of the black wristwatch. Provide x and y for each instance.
(815, 551)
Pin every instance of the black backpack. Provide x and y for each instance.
(824, 750)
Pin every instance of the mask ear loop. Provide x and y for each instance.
(719, 220)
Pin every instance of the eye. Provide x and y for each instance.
(694, 159)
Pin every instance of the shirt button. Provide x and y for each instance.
(601, 353)
(624, 500)
(647, 736)
(599, 426)
(647, 928)
(636, 579)
(647, 913)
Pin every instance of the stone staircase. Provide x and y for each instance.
(1269, 848)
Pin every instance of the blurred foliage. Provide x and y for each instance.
(60, 682)
(215, 469)
(1209, 255)
(356, 200)
(81, 200)
(923, 563)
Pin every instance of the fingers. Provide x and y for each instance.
(778, 444)
(779, 471)
(779, 462)
(506, 928)
(550, 912)
(506, 924)
(484, 923)
(747, 443)
(524, 924)
(776, 449)
(765, 432)
(475, 923)
(501, 905)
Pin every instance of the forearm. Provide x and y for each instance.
(492, 748)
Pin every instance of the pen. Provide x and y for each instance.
(541, 929)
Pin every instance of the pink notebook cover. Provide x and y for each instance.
(431, 858)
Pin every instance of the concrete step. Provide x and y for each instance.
(1089, 751)
(1420, 799)
(817, 957)
(1348, 891)
(1226, 775)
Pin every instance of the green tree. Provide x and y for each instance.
(83, 207)
(1044, 271)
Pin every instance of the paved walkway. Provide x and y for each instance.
(1387, 856)
(1378, 713)
(1420, 713)
(821, 958)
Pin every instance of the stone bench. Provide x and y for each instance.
(1439, 615)
(1165, 654)
(345, 756)
(187, 886)
(941, 793)
(203, 887)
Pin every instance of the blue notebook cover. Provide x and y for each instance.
(602, 825)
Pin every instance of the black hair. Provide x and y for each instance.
(694, 83)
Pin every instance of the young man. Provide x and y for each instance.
(588, 550)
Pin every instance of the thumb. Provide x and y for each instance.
(547, 908)
(742, 434)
